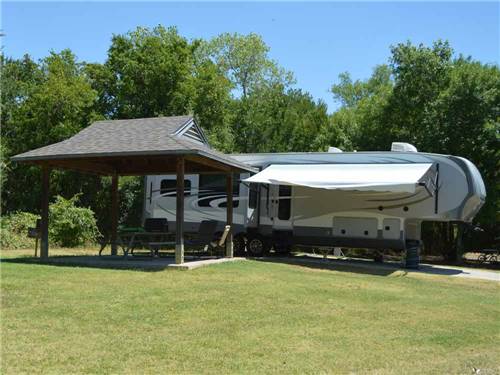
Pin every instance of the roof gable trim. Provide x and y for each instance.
(192, 132)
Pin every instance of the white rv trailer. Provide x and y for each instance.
(328, 199)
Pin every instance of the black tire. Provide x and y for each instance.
(257, 245)
(239, 245)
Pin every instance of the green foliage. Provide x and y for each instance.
(14, 229)
(211, 105)
(245, 62)
(44, 103)
(71, 225)
(363, 103)
(421, 74)
(18, 80)
(148, 73)
(273, 119)
(340, 131)
(350, 93)
(4, 164)
(439, 239)
(57, 104)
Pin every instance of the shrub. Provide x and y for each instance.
(71, 225)
(14, 229)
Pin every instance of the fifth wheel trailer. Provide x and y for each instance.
(328, 199)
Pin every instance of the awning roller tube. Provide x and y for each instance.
(398, 178)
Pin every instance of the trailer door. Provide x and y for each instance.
(281, 206)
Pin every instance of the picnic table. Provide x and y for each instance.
(129, 240)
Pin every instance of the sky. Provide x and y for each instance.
(316, 41)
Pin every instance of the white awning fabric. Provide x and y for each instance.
(360, 177)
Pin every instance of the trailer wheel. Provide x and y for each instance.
(257, 246)
(239, 244)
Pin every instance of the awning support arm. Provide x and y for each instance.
(436, 190)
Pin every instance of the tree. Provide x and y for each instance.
(46, 103)
(148, 73)
(273, 119)
(420, 74)
(244, 60)
(257, 84)
(303, 119)
(356, 125)
(18, 79)
(338, 132)
(350, 93)
(211, 104)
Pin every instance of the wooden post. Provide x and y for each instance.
(179, 213)
(229, 214)
(114, 214)
(44, 224)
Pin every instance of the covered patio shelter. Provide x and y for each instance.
(136, 147)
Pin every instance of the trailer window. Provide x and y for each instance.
(284, 205)
(252, 195)
(169, 187)
(213, 186)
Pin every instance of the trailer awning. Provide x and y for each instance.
(361, 177)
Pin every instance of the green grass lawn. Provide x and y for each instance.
(248, 317)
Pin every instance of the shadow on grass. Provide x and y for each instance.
(331, 265)
(144, 264)
(358, 266)
(148, 264)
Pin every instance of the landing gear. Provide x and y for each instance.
(282, 242)
(378, 257)
(257, 245)
(282, 249)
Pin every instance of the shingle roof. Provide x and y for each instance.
(134, 137)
